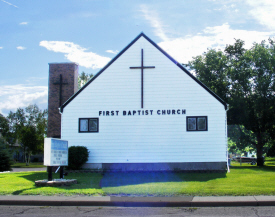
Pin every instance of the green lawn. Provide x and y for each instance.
(22, 183)
(31, 165)
(242, 180)
(269, 161)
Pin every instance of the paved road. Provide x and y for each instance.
(28, 169)
(39, 211)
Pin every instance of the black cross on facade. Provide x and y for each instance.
(60, 83)
(142, 67)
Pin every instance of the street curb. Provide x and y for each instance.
(129, 202)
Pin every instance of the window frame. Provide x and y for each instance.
(196, 117)
(79, 121)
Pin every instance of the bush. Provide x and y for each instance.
(5, 157)
(271, 152)
(35, 160)
(78, 155)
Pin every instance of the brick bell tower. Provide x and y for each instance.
(63, 83)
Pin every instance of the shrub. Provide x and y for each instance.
(271, 152)
(78, 155)
(5, 157)
(35, 160)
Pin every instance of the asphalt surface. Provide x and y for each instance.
(28, 169)
(111, 211)
(185, 201)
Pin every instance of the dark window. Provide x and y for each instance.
(196, 123)
(88, 125)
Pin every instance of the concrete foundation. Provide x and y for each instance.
(187, 166)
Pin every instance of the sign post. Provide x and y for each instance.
(55, 154)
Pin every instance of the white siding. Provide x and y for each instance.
(146, 138)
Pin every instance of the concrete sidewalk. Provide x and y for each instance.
(138, 201)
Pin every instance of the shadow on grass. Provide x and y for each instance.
(116, 179)
(18, 192)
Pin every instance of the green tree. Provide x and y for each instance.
(4, 125)
(83, 78)
(29, 127)
(252, 79)
(4, 129)
(5, 156)
(243, 139)
(270, 149)
(244, 78)
(211, 69)
(30, 140)
(232, 147)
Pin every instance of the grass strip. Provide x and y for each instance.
(241, 181)
(22, 183)
(31, 165)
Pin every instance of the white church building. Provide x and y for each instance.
(144, 111)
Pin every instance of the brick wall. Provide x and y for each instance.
(69, 73)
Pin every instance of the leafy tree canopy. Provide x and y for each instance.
(5, 156)
(29, 127)
(4, 126)
(244, 78)
(83, 78)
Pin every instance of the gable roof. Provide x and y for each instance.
(162, 51)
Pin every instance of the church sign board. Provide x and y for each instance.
(55, 152)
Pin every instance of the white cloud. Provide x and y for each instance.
(20, 48)
(15, 96)
(75, 53)
(9, 3)
(1, 48)
(155, 22)
(263, 11)
(183, 49)
(23, 23)
(225, 7)
(34, 80)
(112, 51)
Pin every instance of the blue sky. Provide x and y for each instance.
(90, 32)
